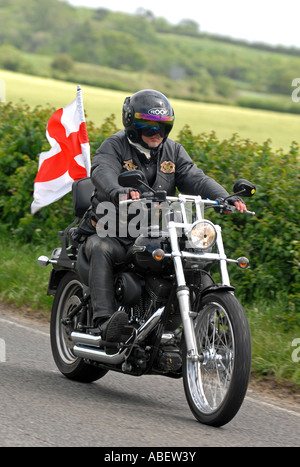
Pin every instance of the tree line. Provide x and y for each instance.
(203, 67)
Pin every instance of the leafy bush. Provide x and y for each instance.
(63, 62)
(13, 59)
(270, 239)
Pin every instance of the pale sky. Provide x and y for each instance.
(253, 20)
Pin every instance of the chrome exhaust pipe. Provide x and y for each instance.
(87, 345)
(92, 353)
(85, 339)
(147, 327)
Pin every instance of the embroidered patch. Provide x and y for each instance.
(129, 165)
(167, 167)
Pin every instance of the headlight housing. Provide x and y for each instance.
(203, 234)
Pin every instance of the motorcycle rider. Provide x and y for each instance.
(143, 144)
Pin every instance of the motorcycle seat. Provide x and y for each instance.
(82, 191)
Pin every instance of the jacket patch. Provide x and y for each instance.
(129, 165)
(167, 167)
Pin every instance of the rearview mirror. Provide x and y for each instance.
(244, 188)
(132, 179)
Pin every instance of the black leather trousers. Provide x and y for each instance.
(103, 254)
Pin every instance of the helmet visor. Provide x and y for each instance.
(150, 125)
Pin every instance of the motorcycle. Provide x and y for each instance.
(182, 324)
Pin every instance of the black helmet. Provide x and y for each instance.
(147, 111)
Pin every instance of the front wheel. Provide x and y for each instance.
(215, 387)
(67, 297)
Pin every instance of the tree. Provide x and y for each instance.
(122, 51)
(147, 14)
(188, 27)
(63, 62)
(100, 14)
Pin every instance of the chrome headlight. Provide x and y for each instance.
(203, 234)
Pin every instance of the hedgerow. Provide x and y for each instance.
(269, 239)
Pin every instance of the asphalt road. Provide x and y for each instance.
(41, 408)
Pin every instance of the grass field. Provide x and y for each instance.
(256, 125)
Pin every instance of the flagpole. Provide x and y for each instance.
(79, 101)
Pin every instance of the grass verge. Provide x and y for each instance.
(23, 284)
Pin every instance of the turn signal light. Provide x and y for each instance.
(158, 254)
(242, 262)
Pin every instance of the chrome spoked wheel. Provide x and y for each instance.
(215, 386)
(67, 297)
(209, 381)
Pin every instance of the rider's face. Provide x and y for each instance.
(152, 141)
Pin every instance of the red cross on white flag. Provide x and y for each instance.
(69, 156)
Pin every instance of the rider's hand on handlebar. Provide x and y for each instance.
(238, 203)
(240, 206)
(133, 194)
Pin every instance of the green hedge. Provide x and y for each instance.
(270, 239)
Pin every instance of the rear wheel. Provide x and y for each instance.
(215, 387)
(67, 297)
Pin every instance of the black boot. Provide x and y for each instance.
(112, 329)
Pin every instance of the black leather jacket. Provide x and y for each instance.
(170, 167)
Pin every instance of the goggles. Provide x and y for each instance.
(150, 125)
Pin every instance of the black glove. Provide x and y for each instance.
(117, 197)
(233, 199)
(225, 204)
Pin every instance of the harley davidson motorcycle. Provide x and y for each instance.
(181, 322)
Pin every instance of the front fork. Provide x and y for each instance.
(183, 295)
(183, 292)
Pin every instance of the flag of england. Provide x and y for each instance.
(69, 156)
